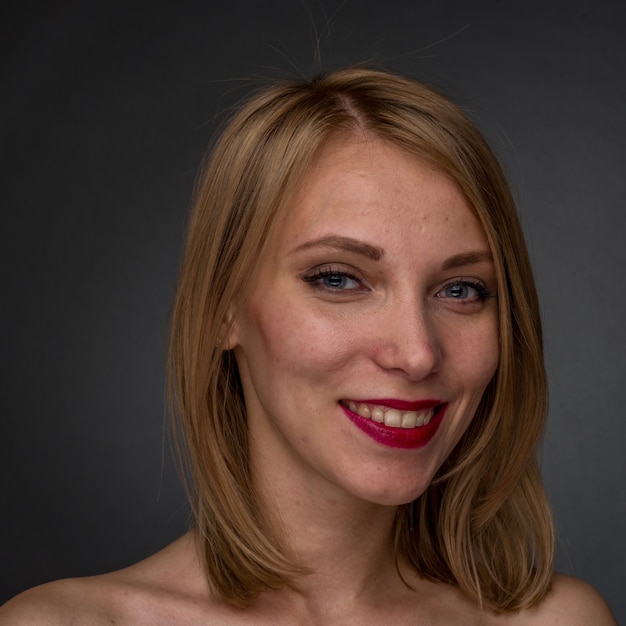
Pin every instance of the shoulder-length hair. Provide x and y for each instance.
(484, 523)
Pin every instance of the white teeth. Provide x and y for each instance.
(378, 415)
(409, 419)
(392, 417)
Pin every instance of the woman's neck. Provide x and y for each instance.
(344, 542)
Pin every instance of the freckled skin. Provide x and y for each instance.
(302, 349)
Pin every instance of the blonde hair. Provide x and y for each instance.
(484, 523)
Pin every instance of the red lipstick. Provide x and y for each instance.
(395, 437)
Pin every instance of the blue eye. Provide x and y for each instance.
(338, 280)
(458, 291)
(330, 279)
(465, 291)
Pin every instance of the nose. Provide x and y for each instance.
(407, 341)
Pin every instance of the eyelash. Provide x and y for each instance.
(483, 293)
(321, 273)
(315, 280)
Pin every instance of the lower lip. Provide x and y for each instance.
(406, 438)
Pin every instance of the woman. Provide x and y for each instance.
(357, 378)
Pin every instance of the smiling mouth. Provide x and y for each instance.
(389, 416)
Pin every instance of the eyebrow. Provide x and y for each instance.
(467, 258)
(347, 244)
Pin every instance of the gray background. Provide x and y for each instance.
(106, 109)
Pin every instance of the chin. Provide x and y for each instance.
(393, 496)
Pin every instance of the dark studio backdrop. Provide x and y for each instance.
(106, 108)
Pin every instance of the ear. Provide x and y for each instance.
(229, 332)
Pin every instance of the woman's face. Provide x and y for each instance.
(371, 332)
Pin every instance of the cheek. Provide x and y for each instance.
(474, 354)
(486, 359)
(297, 339)
(293, 338)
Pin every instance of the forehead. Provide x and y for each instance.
(368, 188)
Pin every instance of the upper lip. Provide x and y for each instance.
(401, 405)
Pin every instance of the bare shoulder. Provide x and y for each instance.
(159, 590)
(60, 602)
(571, 602)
